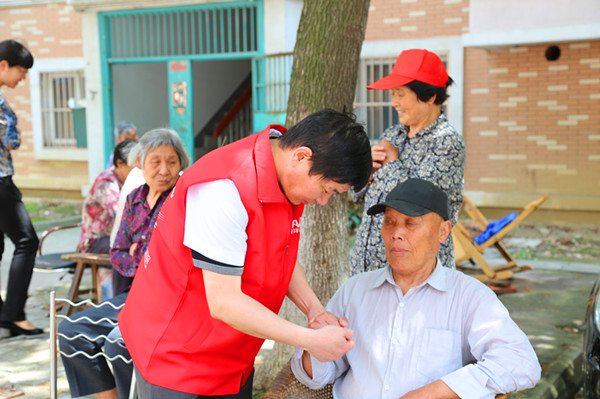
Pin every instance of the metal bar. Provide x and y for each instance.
(151, 33)
(214, 32)
(244, 29)
(236, 30)
(179, 33)
(159, 34)
(130, 43)
(137, 35)
(171, 49)
(53, 360)
(106, 86)
(206, 31)
(118, 37)
(144, 38)
(193, 17)
(221, 29)
(229, 15)
(186, 35)
(252, 32)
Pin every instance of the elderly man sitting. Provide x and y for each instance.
(421, 330)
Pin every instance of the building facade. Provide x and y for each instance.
(526, 94)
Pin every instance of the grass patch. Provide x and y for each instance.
(41, 211)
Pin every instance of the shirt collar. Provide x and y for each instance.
(437, 279)
(440, 119)
(268, 188)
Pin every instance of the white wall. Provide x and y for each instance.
(497, 15)
(281, 18)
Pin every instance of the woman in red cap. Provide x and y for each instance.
(423, 145)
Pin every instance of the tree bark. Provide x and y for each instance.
(324, 75)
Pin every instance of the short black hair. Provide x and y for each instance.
(425, 91)
(341, 149)
(15, 54)
(122, 151)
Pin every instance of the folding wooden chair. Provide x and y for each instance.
(467, 249)
(286, 386)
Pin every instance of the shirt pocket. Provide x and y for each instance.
(439, 354)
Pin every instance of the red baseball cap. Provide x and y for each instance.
(411, 65)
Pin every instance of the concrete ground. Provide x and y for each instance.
(549, 306)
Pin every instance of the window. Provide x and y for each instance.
(56, 88)
(373, 107)
(59, 131)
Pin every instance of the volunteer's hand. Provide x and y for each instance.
(330, 343)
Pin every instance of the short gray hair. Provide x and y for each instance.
(158, 137)
(123, 127)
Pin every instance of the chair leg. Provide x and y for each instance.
(74, 290)
(96, 288)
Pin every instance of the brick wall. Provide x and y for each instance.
(533, 125)
(48, 31)
(410, 19)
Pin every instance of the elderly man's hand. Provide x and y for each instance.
(326, 318)
(330, 343)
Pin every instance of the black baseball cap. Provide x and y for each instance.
(415, 197)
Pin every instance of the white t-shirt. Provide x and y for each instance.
(215, 227)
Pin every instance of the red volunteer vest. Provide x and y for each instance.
(166, 324)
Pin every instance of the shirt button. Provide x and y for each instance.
(386, 387)
(401, 304)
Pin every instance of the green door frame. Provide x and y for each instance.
(139, 43)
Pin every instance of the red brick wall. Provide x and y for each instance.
(532, 125)
(48, 31)
(410, 19)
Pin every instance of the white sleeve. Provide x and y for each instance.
(215, 227)
(134, 179)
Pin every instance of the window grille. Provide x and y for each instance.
(374, 107)
(56, 88)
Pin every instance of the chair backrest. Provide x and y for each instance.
(54, 350)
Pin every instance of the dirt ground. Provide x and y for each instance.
(555, 242)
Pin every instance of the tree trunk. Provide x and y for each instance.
(324, 74)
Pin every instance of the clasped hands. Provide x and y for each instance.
(332, 337)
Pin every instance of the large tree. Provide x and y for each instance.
(324, 74)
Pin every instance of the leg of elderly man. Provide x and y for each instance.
(88, 376)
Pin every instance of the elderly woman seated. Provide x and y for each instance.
(161, 156)
(100, 205)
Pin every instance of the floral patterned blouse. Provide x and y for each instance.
(136, 226)
(437, 154)
(99, 208)
(10, 139)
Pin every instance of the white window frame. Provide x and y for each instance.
(46, 65)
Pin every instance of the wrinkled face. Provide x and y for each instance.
(412, 242)
(411, 111)
(161, 168)
(11, 76)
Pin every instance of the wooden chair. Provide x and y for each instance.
(286, 386)
(73, 263)
(467, 249)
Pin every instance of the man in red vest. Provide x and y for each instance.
(222, 257)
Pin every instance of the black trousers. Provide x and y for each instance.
(15, 223)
